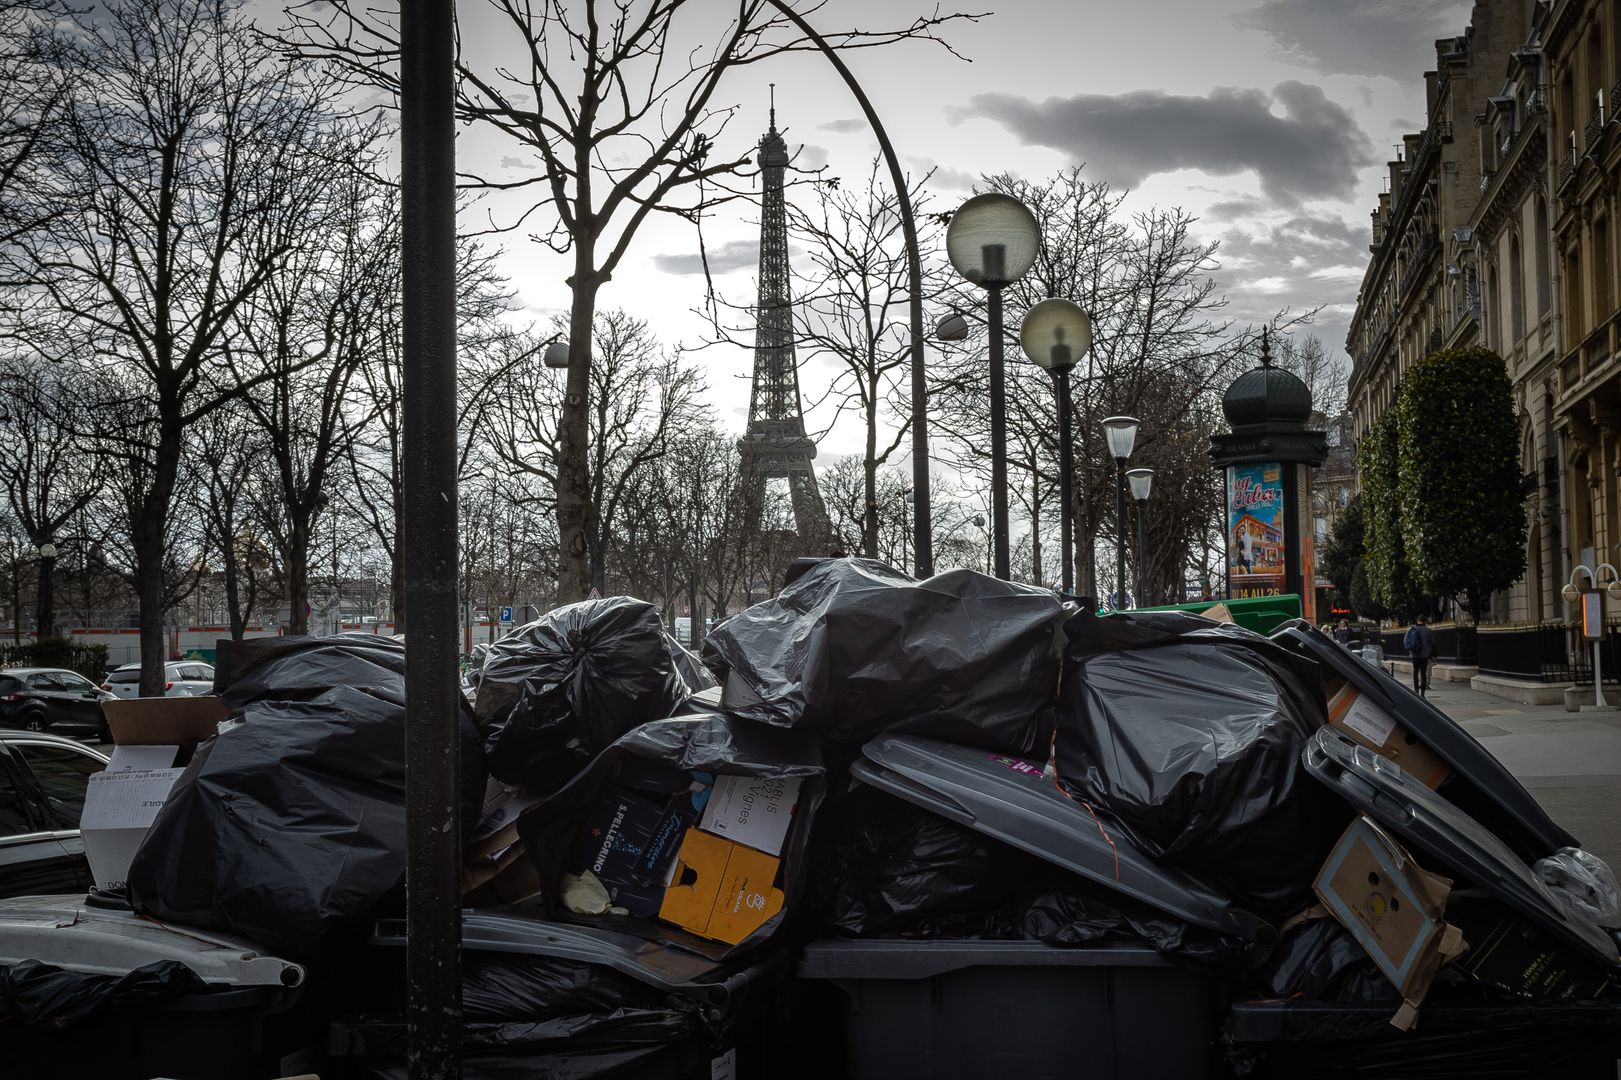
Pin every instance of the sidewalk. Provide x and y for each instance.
(1570, 761)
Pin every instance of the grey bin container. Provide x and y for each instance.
(974, 1009)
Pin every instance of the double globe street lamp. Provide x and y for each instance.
(992, 241)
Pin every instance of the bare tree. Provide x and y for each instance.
(623, 119)
(46, 468)
(183, 167)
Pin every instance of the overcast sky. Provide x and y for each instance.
(1269, 120)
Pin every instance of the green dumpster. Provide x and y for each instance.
(1263, 614)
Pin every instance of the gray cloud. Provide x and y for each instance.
(732, 255)
(1312, 150)
(1297, 247)
(843, 127)
(810, 156)
(942, 178)
(510, 162)
(1393, 38)
(1233, 209)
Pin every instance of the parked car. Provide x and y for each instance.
(42, 784)
(182, 678)
(48, 699)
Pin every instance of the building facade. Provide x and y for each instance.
(1510, 236)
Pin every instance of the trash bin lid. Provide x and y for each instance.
(63, 932)
(1430, 824)
(1442, 734)
(671, 970)
(1011, 800)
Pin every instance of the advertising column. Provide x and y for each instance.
(1255, 530)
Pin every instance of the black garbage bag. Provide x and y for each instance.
(888, 868)
(555, 693)
(33, 994)
(1319, 959)
(1188, 733)
(854, 648)
(706, 743)
(291, 821)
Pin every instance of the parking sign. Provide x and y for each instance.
(506, 614)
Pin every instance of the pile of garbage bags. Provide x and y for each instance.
(870, 757)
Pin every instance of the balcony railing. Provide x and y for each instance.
(1567, 167)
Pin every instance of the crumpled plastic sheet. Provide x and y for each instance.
(557, 692)
(1582, 884)
(1319, 959)
(42, 996)
(292, 822)
(1188, 734)
(854, 648)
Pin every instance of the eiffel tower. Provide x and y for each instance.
(775, 445)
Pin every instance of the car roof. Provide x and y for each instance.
(36, 671)
(167, 663)
(11, 735)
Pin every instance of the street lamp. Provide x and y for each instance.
(979, 522)
(1056, 333)
(44, 616)
(1121, 434)
(1141, 480)
(1592, 600)
(992, 240)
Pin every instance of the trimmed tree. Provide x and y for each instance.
(1462, 501)
(1343, 551)
(1390, 583)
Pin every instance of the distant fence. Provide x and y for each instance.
(88, 660)
(1458, 644)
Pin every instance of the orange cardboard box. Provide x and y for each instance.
(720, 889)
(1376, 729)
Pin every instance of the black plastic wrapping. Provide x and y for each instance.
(1319, 959)
(555, 693)
(703, 741)
(888, 868)
(854, 648)
(1188, 733)
(292, 821)
(39, 995)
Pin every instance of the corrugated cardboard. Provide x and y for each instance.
(719, 889)
(1351, 712)
(1393, 908)
(154, 735)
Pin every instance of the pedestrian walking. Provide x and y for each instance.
(1342, 632)
(1419, 641)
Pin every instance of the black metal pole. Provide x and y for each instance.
(1142, 575)
(922, 526)
(1066, 467)
(1004, 565)
(1120, 532)
(433, 848)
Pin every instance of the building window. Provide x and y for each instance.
(1544, 297)
(1494, 300)
(1573, 294)
(1516, 294)
(1602, 290)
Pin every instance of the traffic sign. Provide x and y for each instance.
(506, 614)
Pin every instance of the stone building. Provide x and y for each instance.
(1499, 230)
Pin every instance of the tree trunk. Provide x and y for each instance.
(148, 545)
(869, 476)
(396, 567)
(45, 617)
(575, 513)
(233, 595)
(297, 560)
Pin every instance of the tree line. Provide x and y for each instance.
(200, 382)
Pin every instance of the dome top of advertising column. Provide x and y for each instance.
(1268, 409)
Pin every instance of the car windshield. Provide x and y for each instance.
(133, 675)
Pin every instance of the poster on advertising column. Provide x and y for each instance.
(1255, 552)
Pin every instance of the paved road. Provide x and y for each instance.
(1570, 761)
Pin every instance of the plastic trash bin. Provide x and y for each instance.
(971, 1009)
(247, 1018)
(699, 1018)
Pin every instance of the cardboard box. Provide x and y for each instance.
(1351, 712)
(154, 737)
(1392, 907)
(721, 890)
(620, 829)
(1511, 952)
(752, 810)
